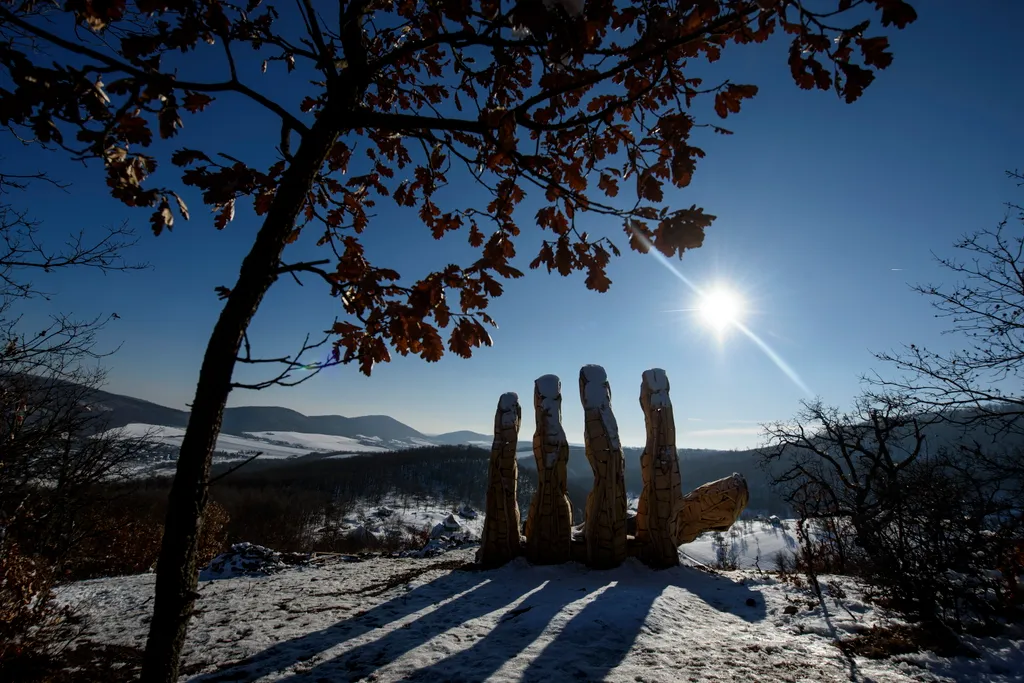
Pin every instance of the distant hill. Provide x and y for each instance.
(697, 465)
(266, 418)
(462, 436)
(124, 410)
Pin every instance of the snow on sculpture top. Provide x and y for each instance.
(596, 394)
(549, 421)
(656, 381)
(508, 406)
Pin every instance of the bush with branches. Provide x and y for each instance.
(55, 452)
(928, 529)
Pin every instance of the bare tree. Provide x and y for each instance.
(54, 448)
(978, 384)
(925, 524)
(833, 464)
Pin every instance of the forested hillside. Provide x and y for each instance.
(458, 474)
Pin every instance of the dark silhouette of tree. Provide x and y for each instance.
(575, 102)
(880, 494)
(52, 450)
(978, 382)
(55, 453)
(847, 465)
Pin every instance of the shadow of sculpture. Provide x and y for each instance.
(605, 631)
(513, 634)
(553, 623)
(285, 654)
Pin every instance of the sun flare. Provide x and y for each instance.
(720, 309)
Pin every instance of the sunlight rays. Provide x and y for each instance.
(721, 309)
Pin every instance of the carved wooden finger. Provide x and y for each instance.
(715, 506)
(500, 540)
(659, 465)
(605, 528)
(549, 523)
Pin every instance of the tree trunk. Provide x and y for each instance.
(177, 574)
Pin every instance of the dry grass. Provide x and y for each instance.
(883, 642)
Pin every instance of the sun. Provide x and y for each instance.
(720, 308)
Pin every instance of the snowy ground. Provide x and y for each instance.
(461, 523)
(427, 620)
(747, 545)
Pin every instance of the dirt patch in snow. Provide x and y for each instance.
(885, 641)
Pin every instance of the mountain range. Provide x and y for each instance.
(370, 430)
(285, 436)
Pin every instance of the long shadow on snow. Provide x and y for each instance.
(501, 588)
(513, 633)
(590, 642)
(600, 635)
(282, 655)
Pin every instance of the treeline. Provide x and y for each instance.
(295, 504)
(448, 475)
(303, 504)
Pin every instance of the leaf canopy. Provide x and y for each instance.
(585, 107)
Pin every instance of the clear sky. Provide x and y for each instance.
(826, 213)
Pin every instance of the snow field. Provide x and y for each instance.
(323, 443)
(226, 443)
(422, 620)
(390, 619)
(276, 445)
(748, 544)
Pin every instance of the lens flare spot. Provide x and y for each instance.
(720, 308)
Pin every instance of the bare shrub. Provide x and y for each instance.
(926, 528)
(33, 627)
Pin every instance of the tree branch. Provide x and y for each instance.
(326, 61)
(237, 467)
(290, 363)
(158, 78)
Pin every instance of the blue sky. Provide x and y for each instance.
(817, 203)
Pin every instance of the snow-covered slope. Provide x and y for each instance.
(430, 620)
(226, 443)
(278, 444)
(324, 443)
